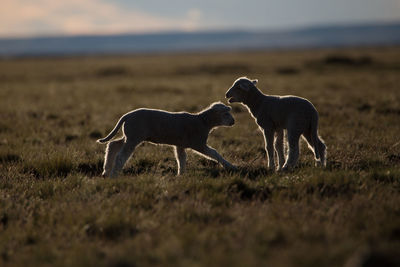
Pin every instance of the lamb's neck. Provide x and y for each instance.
(207, 120)
(253, 101)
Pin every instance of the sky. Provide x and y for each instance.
(27, 18)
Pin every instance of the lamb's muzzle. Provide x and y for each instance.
(240, 90)
(229, 96)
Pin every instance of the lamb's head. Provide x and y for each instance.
(220, 115)
(240, 89)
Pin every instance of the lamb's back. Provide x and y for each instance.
(283, 110)
(160, 126)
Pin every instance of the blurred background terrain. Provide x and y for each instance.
(45, 27)
(233, 40)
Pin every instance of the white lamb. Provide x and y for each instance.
(180, 129)
(274, 114)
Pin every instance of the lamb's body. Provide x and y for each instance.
(274, 114)
(180, 129)
(281, 112)
(167, 127)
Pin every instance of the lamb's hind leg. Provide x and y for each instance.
(180, 156)
(112, 150)
(279, 148)
(123, 155)
(308, 137)
(320, 159)
(322, 151)
(293, 154)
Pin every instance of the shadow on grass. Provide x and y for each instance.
(327, 190)
(364, 165)
(60, 166)
(394, 158)
(56, 166)
(239, 188)
(386, 177)
(111, 230)
(9, 158)
(139, 167)
(90, 168)
(253, 173)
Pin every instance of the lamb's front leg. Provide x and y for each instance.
(279, 148)
(269, 147)
(212, 153)
(180, 156)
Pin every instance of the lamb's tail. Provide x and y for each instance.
(113, 132)
(314, 136)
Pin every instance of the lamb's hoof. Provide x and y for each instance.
(112, 175)
(318, 163)
(285, 169)
(271, 168)
(288, 168)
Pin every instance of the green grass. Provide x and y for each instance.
(56, 210)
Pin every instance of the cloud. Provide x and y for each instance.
(47, 17)
(69, 17)
(192, 20)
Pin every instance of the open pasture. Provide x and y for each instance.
(56, 210)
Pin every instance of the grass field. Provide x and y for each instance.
(56, 210)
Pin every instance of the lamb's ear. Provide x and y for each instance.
(254, 82)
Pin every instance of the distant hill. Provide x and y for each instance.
(312, 37)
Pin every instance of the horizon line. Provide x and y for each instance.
(210, 30)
